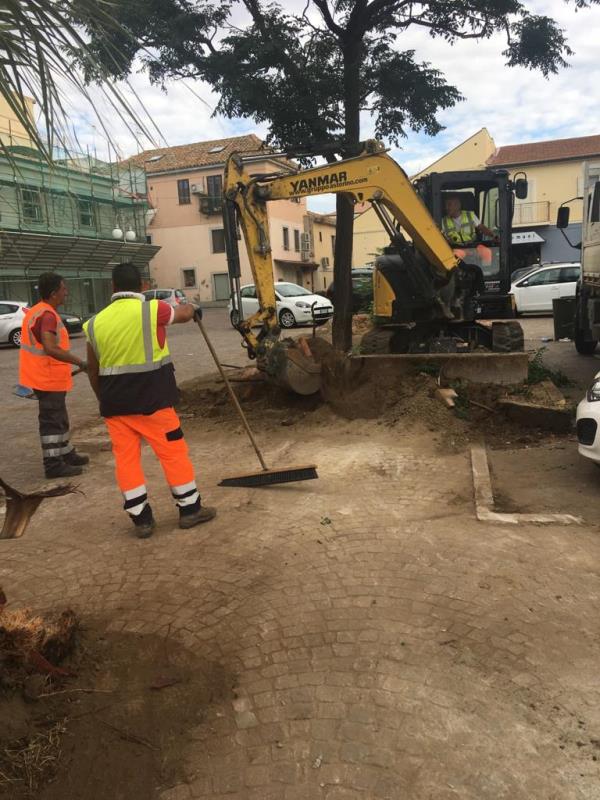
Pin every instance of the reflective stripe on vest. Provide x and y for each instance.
(467, 225)
(124, 337)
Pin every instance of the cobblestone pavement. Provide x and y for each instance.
(384, 644)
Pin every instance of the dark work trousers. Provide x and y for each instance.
(54, 428)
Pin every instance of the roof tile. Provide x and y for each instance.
(552, 150)
(198, 154)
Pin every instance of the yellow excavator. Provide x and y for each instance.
(424, 292)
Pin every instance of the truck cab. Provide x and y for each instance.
(580, 320)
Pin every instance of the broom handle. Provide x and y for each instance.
(232, 395)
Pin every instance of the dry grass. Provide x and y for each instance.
(29, 762)
(23, 635)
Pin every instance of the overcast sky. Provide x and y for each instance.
(516, 105)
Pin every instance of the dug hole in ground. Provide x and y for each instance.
(359, 636)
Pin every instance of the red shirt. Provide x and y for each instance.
(164, 318)
(45, 323)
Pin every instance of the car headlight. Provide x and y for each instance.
(302, 304)
(72, 319)
(593, 393)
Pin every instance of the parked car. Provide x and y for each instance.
(588, 423)
(362, 289)
(520, 273)
(294, 305)
(536, 290)
(11, 319)
(174, 297)
(72, 322)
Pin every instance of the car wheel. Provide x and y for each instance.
(14, 337)
(234, 318)
(287, 319)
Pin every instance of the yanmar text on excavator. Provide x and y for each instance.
(428, 297)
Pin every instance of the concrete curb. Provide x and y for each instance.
(484, 498)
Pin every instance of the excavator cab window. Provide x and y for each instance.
(483, 252)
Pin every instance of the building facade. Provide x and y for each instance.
(184, 192)
(554, 172)
(75, 215)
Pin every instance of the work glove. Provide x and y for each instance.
(197, 314)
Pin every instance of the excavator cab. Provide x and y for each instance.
(489, 194)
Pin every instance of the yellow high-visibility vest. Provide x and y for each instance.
(466, 231)
(123, 337)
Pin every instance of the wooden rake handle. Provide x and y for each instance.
(232, 394)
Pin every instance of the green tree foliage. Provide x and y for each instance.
(310, 74)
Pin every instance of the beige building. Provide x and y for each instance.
(12, 132)
(321, 232)
(554, 172)
(369, 236)
(473, 153)
(185, 186)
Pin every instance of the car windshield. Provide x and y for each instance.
(290, 290)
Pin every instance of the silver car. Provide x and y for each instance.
(12, 313)
(174, 297)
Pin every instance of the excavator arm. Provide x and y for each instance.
(373, 177)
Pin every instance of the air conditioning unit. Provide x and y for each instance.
(325, 262)
(197, 188)
(305, 242)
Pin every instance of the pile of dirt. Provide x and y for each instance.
(396, 399)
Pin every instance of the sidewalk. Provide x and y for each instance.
(361, 636)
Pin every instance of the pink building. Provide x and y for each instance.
(185, 185)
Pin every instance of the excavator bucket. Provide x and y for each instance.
(292, 366)
(21, 506)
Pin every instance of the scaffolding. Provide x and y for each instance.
(76, 214)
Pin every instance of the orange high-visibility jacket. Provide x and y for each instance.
(36, 369)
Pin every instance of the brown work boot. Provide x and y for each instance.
(204, 514)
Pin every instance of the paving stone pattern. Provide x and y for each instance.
(384, 644)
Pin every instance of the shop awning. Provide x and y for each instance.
(526, 237)
(35, 253)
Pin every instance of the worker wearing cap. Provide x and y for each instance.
(131, 372)
(45, 366)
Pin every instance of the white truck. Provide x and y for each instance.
(581, 321)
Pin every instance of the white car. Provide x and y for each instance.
(588, 422)
(294, 305)
(537, 290)
(11, 320)
(174, 297)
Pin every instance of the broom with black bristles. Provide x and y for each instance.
(266, 476)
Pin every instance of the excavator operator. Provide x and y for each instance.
(462, 227)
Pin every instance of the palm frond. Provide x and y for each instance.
(38, 43)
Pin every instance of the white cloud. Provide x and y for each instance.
(516, 105)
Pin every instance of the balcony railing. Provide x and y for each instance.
(211, 205)
(532, 213)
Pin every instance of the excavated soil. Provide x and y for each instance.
(119, 728)
(401, 402)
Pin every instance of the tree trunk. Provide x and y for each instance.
(342, 270)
